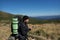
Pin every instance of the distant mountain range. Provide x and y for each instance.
(57, 17)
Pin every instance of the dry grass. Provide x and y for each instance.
(53, 30)
(4, 31)
(48, 28)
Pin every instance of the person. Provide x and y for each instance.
(23, 28)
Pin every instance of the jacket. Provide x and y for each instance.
(23, 29)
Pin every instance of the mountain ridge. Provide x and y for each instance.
(33, 20)
(48, 17)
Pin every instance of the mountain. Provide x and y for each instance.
(8, 16)
(33, 20)
(56, 17)
(5, 15)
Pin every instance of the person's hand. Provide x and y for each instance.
(30, 28)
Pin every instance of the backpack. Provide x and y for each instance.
(15, 24)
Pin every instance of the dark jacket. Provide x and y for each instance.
(23, 29)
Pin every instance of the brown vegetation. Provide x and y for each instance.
(50, 30)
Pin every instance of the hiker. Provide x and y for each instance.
(23, 28)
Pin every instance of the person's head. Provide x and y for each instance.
(25, 19)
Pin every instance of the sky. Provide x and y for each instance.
(31, 7)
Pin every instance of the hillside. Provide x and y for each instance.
(5, 15)
(8, 16)
(33, 20)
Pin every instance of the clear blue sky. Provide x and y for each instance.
(31, 7)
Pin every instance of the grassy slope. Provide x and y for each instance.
(5, 16)
(46, 30)
(8, 16)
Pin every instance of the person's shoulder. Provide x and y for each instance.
(21, 23)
